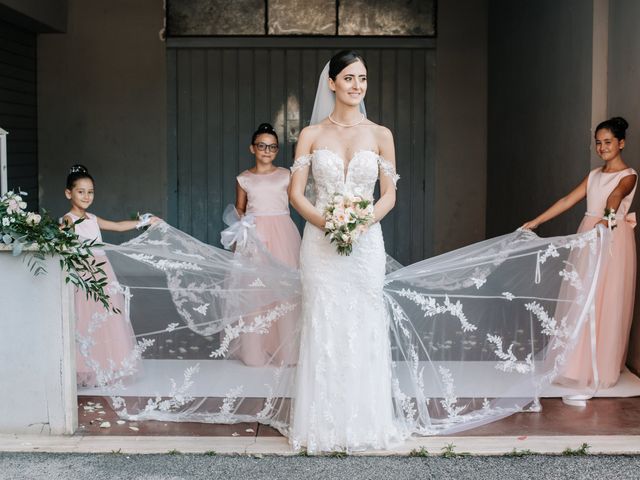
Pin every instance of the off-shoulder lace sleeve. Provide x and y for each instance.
(387, 168)
(301, 162)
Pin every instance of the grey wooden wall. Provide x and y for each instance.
(217, 97)
(18, 109)
(539, 114)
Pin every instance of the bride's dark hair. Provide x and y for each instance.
(341, 60)
(264, 128)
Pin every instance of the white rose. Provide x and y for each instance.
(6, 222)
(329, 226)
(350, 213)
(33, 218)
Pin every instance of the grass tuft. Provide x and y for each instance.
(422, 452)
(580, 451)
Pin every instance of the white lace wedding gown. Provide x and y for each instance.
(343, 394)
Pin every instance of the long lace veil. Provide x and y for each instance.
(475, 334)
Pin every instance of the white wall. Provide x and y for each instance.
(37, 350)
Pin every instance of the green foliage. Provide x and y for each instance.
(580, 451)
(337, 454)
(20, 229)
(519, 453)
(448, 451)
(210, 453)
(422, 452)
(174, 452)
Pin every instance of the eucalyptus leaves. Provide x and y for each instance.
(43, 236)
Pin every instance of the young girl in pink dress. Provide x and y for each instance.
(101, 335)
(262, 192)
(609, 190)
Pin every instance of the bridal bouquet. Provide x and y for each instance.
(346, 218)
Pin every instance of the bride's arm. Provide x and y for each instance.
(299, 181)
(387, 198)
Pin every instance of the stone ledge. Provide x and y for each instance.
(482, 446)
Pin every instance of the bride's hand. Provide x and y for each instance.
(530, 225)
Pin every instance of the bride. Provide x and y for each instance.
(343, 394)
(437, 347)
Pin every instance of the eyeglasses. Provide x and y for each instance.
(273, 148)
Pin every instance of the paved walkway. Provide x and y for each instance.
(160, 467)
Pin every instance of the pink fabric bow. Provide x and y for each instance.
(631, 219)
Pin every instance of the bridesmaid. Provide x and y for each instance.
(609, 190)
(262, 192)
(101, 336)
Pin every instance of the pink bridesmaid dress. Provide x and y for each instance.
(615, 290)
(268, 202)
(99, 340)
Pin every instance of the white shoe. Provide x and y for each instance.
(576, 400)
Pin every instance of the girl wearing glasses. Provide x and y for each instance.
(261, 191)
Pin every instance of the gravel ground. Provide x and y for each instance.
(178, 466)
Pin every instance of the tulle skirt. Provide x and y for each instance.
(614, 300)
(281, 238)
(104, 340)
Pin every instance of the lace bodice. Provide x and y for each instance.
(330, 176)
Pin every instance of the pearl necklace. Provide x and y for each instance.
(347, 125)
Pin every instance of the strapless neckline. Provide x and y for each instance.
(346, 165)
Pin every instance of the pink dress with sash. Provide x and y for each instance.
(101, 336)
(268, 202)
(615, 290)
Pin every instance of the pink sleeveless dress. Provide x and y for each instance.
(99, 337)
(268, 202)
(615, 290)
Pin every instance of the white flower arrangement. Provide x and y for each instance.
(19, 229)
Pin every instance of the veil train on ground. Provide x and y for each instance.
(475, 334)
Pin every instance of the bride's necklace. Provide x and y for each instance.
(347, 125)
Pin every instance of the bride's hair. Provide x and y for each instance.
(341, 60)
(77, 172)
(616, 125)
(264, 128)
